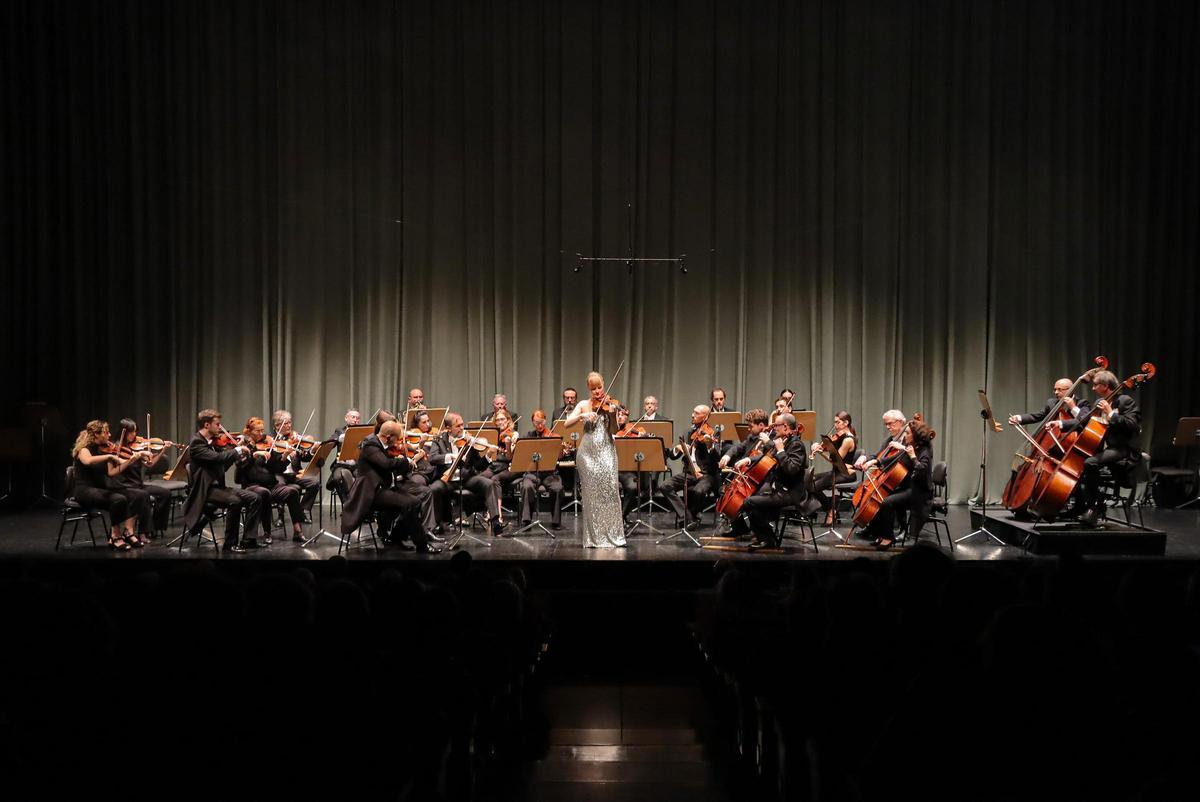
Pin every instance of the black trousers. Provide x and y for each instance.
(398, 511)
(310, 487)
(153, 505)
(118, 504)
(762, 510)
(531, 484)
(287, 495)
(826, 481)
(629, 490)
(239, 504)
(883, 525)
(1115, 459)
(418, 485)
(698, 491)
(340, 479)
(480, 484)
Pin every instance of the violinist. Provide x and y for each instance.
(1119, 451)
(341, 474)
(310, 486)
(703, 444)
(788, 395)
(132, 480)
(1061, 388)
(380, 460)
(912, 445)
(210, 452)
(499, 468)
(532, 482)
(570, 397)
(627, 479)
(96, 463)
(471, 472)
(259, 473)
(844, 441)
(422, 447)
(787, 481)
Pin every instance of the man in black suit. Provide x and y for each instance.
(207, 465)
(499, 402)
(570, 397)
(375, 489)
(471, 470)
(532, 482)
(1118, 451)
(706, 455)
(341, 474)
(787, 480)
(1061, 388)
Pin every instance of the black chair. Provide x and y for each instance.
(844, 491)
(208, 518)
(1119, 487)
(939, 506)
(801, 515)
(73, 512)
(175, 486)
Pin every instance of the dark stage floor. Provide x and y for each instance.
(32, 534)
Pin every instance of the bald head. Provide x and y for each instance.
(390, 429)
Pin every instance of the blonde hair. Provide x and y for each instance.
(88, 436)
(594, 380)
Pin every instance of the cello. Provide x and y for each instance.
(1057, 480)
(744, 484)
(1018, 492)
(881, 480)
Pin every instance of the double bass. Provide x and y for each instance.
(1058, 477)
(1043, 445)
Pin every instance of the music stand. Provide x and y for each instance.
(570, 436)
(727, 421)
(808, 419)
(839, 468)
(691, 470)
(1187, 434)
(743, 430)
(536, 455)
(641, 455)
(664, 430)
(314, 466)
(436, 416)
(989, 424)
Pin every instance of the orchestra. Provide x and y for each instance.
(406, 480)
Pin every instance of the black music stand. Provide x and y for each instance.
(640, 455)
(1187, 435)
(839, 467)
(314, 466)
(570, 436)
(989, 425)
(690, 468)
(665, 430)
(535, 455)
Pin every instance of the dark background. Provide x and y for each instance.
(313, 205)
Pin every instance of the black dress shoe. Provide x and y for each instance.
(498, 526)
(435, 538)
(555, 525)
(297, 537)
(307, 517)
(404, 545)
(429, 548)
(437, 530)
(235, 548)
(265, 541)
(1089, 518)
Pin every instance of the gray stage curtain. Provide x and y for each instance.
(316, 205)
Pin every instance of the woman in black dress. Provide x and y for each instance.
(96, 464)
(845, 440)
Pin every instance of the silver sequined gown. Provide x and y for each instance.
(596, 461)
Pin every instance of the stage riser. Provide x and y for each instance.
(1115, 539)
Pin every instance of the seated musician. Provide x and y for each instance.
(628, 480)
(717, 399)
(532, 482)
(424, 448)
(499, 402)
(1061, 388)
(893, 422)
(787, 481)
(739, 453)
(155, 512)
(502, 474)
(208, 463)
(788, 395)
(912, 446)
(650, 409)
(570, 397)
(310, 486)
(341, 475)
(781, 405)
(416, 399)
(1118, 451)
(96, 463)
(705, 449)
(471, 472)
(260, 475)
(375, 489)
(844, 440)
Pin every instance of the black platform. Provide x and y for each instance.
(1069, 537)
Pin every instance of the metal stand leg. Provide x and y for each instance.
(638, 521)
(983, 493)
(684, 530)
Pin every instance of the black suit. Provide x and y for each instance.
(531, 482)
(697, 489)
(207, 465)
(1039, 416)
(374, 489)
(309, 486)
(787, 487)
(1118, 451)
(260, 475)
(341, 474)
(472, 471)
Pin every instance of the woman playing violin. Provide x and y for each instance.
(596, 464)
(912, 445)
(259, 473)
(132, 480)
(96, 463)
(500, 469)
(310, 486)
(844, 441)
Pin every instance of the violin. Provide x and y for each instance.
(302, 443)
(226, 440)
(153, 445)
(702, 433)
(607, 404)
(631, 430)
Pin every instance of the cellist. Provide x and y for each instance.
(787, 481)
(1118, 450)
(911, 444)
(740, 455)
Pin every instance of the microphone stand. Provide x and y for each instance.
(988, 421)
(44, 498)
